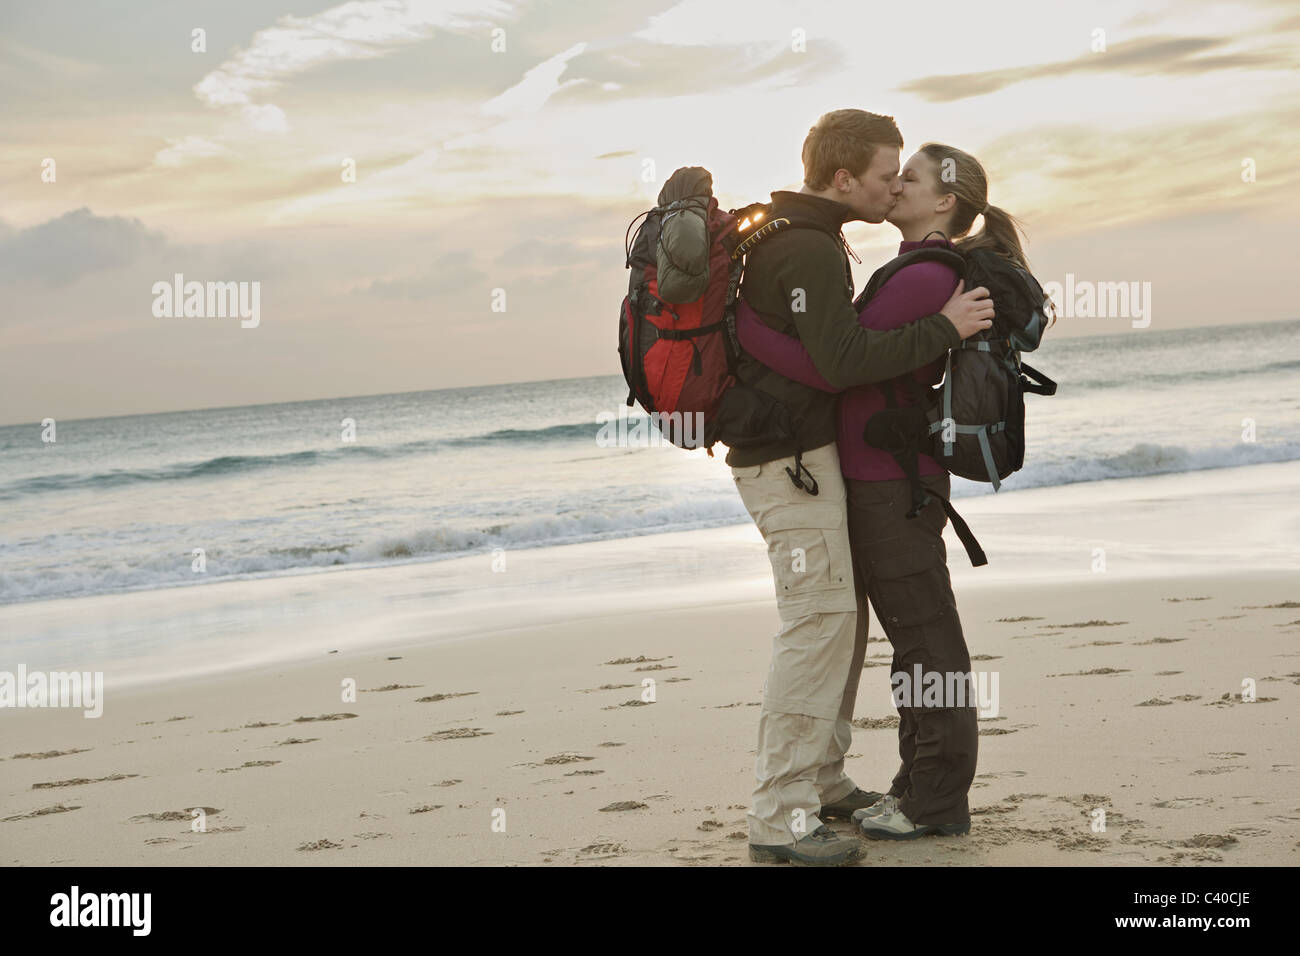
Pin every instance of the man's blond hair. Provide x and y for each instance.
(845, 139)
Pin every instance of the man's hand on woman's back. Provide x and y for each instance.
(969, 312)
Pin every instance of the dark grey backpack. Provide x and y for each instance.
(974, 422)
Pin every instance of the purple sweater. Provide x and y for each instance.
(910, 294)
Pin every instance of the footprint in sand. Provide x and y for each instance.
(81, 781)
(255, 726)
(43, 811)
(999, 774)
(1094, 671)
(1184, 803)
(559, 759)
(388, 687)
(1094, 623)
(623, 805)
(639, 660)
(426, 808)
(458, 733)
(1201, 841)
(304, 720)
(592, 690)
(47, 754)
(1015, 620)
(297, 740)
(876, 723)
(321, 845)
(434, 698)
(173, 816)
(601, 851)
(249, 763)
(1227, 700)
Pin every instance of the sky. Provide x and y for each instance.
(500, 150)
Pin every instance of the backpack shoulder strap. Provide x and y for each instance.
(948, 257)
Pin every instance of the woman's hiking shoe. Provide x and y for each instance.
(846, 807)
(886, 804)
(822, 847)
(894, 825)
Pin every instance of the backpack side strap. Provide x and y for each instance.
(1041, 384)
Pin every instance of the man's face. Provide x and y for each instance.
(872, 195)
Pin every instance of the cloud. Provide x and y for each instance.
(351, 31)
(1075, 178)
(452, 272)
(538, 85)
(75, 244)
(177, 152)
(1148, 55)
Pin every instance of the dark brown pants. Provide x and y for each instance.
(902, 565)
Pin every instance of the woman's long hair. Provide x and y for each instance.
(961, 174)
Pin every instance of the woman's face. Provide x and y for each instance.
(921, 192)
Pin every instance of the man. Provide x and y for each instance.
(800, 282)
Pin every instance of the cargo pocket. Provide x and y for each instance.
(808, 548)
(911, 588)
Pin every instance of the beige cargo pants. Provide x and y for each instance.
(805, 724)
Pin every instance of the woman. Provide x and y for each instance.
(902, 563)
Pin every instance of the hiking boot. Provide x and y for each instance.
(894, 825)
(845, 807)
(886, 804)
(822, 847)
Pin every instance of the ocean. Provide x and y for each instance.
(118, 504)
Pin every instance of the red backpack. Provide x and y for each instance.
(677, 329)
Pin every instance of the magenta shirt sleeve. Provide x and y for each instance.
(910, 294)
(781, 353)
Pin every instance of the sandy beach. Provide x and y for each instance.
(493, 728)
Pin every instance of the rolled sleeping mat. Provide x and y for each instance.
(682, 252)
